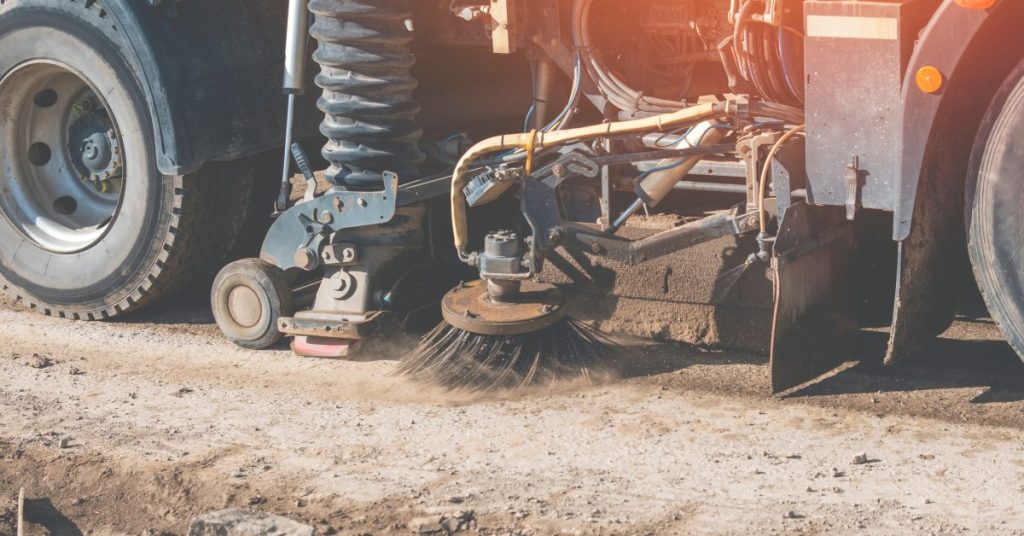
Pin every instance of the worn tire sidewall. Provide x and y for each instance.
(116, 268)
(275, 297)
(995, 209)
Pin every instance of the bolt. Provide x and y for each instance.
(558, 170)
(595, 248)
(305, 259)
(326, 218)
(90, 150)
(348, 254)
(361, 202)
(554, 236)
(472, 13)
(338, 204)
(548, 308)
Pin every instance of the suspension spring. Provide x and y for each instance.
(365, 73)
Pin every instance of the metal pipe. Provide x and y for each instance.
(547, 78)
(535, 141)
(660, 140)
(286, 185)
(295, 47)
(682, 237)
(717, 187)
(294, 83)
(658, 182)
(664, 243)
(626, 214)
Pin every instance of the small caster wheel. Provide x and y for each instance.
(248, 298)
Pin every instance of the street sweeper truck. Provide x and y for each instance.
(519, 179)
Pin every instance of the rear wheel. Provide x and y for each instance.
(90, 228)
(995, 209)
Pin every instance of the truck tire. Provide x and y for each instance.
(90, 229)
(995, 209)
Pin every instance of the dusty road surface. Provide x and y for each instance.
(133, 428)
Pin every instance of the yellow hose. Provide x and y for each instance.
(542, 140)
(764, 174)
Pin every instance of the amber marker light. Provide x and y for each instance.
(929, 79)
(976, 4)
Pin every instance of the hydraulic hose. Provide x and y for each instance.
(757, 57)
(789, 114)
(614, 89)
(535, 141)
(370, 115)
(762, 213)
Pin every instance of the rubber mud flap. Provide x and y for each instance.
(815, 308)
(933, 262)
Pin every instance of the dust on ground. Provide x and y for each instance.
(135, 427)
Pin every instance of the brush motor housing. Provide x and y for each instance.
(502, 257)
(502, 266)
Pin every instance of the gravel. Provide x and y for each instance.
(692, 446)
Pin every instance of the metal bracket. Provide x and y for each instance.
(332, 325)
(749, 149)
(572, 164)
(815, 306)
(540, 198)
(306, 225)
(540, 207)
(772, 14)
(853, 188)
(502, 14)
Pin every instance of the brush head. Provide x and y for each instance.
(461, 360)
(476, 308)
(501, 336)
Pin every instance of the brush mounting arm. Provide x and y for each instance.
(541, 209)
(585, 239)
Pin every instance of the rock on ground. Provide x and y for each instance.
(242, 522)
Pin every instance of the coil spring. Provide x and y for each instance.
(365, 73)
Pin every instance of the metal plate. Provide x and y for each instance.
(335, 210)
(469, 308)
(325, 324)
(850, 114)
(814, 304)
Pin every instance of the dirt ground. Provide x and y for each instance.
(135, 427)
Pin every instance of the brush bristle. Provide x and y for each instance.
(463, 361)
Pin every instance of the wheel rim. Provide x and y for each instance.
(61, 157)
